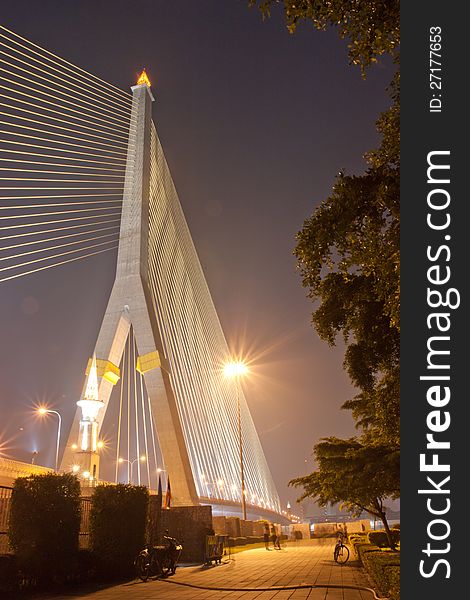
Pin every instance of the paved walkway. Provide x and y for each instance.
(300, 563)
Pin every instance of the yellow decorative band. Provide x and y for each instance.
(105, 369)
(148, 361)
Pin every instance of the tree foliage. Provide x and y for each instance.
(372, 27)
(44, 524)
(348, 256)
(359, 476)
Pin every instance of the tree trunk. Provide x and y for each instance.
(383, 518)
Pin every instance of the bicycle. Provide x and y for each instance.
(158, 561)
(341, 552)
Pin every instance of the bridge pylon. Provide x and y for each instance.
(131, 304)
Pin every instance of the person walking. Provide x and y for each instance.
(266, 536)
(274, 537)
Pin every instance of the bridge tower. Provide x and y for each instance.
(131, 304)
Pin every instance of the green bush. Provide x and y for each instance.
(380, 539)
(363, 548)
(239, 541)
(9, 579)
(354, 538)
(384, 568)
(253, 539)
(44, 525)
(118, 519)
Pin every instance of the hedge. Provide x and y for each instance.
(44, 526)
(380, 539)
(118, 520)
(357, 538)
(382, 566)
(9, 579)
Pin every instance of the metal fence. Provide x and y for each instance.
(5, 503)
(84, 535)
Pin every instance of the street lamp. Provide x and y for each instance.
(235, 370)
(43, 411)
(131, 463)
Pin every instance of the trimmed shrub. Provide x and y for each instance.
(239, 541)
(44, 525)
(357, 538)
(253, 539)
(9, 579)
(363, 548)
(380, 539)
(118, 520)
(384, 568)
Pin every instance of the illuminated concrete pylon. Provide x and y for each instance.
(131, 303)
(161, 292)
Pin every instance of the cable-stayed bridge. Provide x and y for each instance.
(83, 172)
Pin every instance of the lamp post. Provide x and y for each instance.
(43, 411)
(235, 370)
(132, 463)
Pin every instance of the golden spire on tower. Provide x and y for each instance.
(143, 78)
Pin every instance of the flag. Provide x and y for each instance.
(168, 494)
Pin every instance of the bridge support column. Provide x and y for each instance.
(131, 303)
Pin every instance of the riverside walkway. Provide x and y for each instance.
(301, 563)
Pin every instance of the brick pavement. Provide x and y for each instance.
(299, 563)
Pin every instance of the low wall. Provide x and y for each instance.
(189, 525)
(235, 527)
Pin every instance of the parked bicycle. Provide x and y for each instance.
(341, 552)
(158, 561)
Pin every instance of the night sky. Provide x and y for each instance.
(255, 124)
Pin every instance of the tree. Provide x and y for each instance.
(348, 256)
(372, 27)
(357, 475)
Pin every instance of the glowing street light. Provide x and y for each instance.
(235, 370)
(42, 410)
(132, 463)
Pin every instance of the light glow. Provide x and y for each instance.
(143, 78)
(235, 369)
